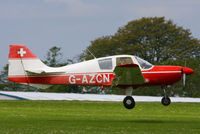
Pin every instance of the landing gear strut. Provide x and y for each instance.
(165, 100)
(128, 101)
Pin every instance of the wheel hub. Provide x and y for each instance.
(128, 102)
(165, 101)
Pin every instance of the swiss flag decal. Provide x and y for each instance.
(20, 51)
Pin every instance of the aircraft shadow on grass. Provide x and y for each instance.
(142, 121)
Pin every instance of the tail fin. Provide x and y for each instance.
(22, 59)
(20, 52)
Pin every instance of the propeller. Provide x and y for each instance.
(184, 79)
(183, 74)
(186, 71)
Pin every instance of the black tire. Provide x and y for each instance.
(129, 102)
(166, 101)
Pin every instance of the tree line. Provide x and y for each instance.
(154, 39)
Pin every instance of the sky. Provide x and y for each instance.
(73, 24)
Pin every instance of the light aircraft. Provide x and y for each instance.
(123, 71)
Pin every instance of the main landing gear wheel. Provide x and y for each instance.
(129, 102)
(166, 101)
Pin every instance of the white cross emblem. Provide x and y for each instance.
(21, 52)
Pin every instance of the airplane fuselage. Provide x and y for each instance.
(90, 73)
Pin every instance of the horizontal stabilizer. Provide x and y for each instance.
(128, 75)
(39, 72)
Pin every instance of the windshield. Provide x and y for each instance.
(143, 64)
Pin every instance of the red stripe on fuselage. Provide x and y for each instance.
(68, 79)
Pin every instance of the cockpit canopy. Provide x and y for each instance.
(108, 63)
(143, 64)
(123, 60)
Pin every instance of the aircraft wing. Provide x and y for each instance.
(128, 74)
(39, 72)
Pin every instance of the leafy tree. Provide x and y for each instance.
(63, 89)
(103, 46)
(154, 39)
(54, 56)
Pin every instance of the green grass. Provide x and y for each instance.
(73, 117)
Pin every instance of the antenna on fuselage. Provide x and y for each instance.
(91, 53)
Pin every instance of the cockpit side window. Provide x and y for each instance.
(105, 64)
(123, 60)
(143, 64)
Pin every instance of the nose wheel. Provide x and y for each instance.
(129, 102)
(165, 100)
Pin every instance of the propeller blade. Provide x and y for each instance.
(184, 79)
(184, 75)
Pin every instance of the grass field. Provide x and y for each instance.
(73, 117)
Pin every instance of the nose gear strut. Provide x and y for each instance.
(165, 100)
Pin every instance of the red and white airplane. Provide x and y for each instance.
(123, 71)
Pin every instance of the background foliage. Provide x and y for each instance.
(154, 39)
